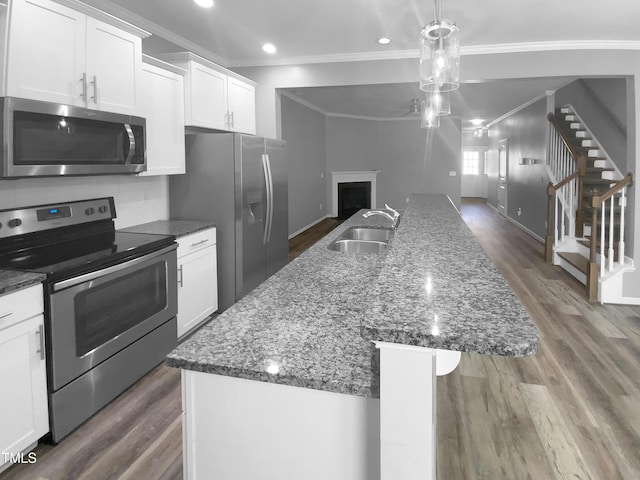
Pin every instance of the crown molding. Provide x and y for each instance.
(303, 102)
(516, 110)
(523, 47)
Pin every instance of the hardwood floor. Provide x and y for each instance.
(569, 412)
(304, 240)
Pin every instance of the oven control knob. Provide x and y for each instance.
(103, 209)
(15, 222)
(90, 211)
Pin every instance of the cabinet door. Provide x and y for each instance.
(208, 98)
(114, 68)
(46, 52)
(162, 97)
(242, 106)
(23, 418)
(197, 288)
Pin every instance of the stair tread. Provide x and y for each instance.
(576, 259)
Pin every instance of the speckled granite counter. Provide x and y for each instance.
(12, 280)
(439, 289)
(178, 228)
(311, 324)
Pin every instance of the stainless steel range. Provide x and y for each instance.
(110, 301)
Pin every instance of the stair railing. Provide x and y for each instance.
(560, 212)
(563, 160)
(607, 233)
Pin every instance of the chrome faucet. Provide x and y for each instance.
(394, 216)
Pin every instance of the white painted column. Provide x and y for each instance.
(408, 402)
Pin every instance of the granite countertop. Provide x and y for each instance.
(312, 323)
(177, 228)
(439, 289)
(11, 280)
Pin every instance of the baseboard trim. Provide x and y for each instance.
(298, 232)
(525, 229)
(631, 300)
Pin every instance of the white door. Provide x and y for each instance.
(114, 68)
(503, 159)
(46, 52)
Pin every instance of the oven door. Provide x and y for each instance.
(97, 314)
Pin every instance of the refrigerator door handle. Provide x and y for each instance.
(265, 168)
(270, 194)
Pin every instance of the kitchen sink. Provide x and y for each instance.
(346, 245)
(360, 239)
(368, 233)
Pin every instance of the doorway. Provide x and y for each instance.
(503, 160)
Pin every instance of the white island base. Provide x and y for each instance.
(237, 429)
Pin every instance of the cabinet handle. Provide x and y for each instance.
(180, 282)
(226, 120)
(84, 87)
(40, 332)
(95, 89)
(195, 244)
(231, 119)
(5, 315)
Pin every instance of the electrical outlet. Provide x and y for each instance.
(452, 173)
(321, 174)
(519, 211)
(320, 206)
(406, 200)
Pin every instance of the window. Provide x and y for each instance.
(471, 163)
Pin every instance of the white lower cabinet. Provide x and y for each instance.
(23, 396)
(197, 279)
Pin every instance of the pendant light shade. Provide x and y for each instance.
(439, 56)
(429, 115)
(441, 101)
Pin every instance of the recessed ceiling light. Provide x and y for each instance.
(204, 3)
(269, 48)
(384, 41)
(477, 121)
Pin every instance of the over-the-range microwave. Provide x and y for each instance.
(48, 139)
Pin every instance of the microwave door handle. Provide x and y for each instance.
(132, 143)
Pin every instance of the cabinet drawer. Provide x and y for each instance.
(20, 305)
(196, 241)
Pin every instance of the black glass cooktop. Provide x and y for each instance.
(69, 257)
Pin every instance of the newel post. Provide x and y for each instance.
(548, 240)
(582, 168)
(592, 270)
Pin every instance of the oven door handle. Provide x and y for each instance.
(109, 270)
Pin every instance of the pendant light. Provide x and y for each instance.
(429, 117)
(439, 54)
(441, 101)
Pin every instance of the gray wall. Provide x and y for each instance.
(526, 132)
(304, 131)
(416, 160)
(352, 144)
(602, 104)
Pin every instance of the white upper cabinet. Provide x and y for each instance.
(60, 54)
(242, 105)
(163, 107)
(215, 97)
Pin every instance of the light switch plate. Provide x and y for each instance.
(452, 173)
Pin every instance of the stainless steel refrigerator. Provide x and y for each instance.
(239, 182)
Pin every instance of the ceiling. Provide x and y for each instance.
(233, 31)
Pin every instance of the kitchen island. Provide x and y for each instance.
(328, 369)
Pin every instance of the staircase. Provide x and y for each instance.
(586, 212)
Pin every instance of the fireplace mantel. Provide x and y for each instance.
(345, 177)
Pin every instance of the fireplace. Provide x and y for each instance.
(353, 196)
(353, 181)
